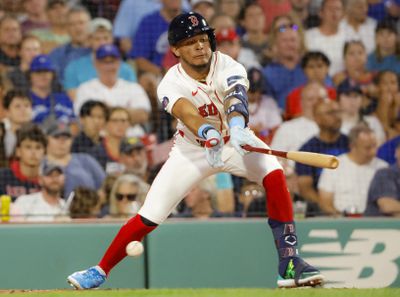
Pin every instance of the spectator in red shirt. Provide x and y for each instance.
(315, 66)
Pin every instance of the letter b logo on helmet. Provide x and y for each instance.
(187, 25)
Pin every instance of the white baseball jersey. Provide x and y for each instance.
(208, 97)
(187, 163)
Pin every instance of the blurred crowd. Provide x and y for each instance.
(83, 135)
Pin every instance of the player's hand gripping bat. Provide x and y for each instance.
(312, 159)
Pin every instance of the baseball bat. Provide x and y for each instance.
(312, 159)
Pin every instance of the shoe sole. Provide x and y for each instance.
(73, 283)
(312, 281)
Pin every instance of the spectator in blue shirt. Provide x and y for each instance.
(387, 150)
(387, 53)
(284, 74)
(384, 191)
(47, 106)
(82, 70)
(78, 28)
(151, 40)
(80, 169)
(328, 141)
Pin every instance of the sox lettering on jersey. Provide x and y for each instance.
(208, 110)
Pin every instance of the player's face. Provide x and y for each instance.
(194, 51)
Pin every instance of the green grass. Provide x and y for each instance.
(211, 293)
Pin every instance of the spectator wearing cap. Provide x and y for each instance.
(350, 101)
(112, 90)
(387, 53)
(10, 39)
(92, 118)
(384, 191)
(228, 42)
(36, 17)
(108, 151)
(265, 115)
(21, 177)
(315, 66)
(344, 190)
(78, 19)
(83, 69)
(47, 105)
(56, 34)
(18, 112)
(80, 169)
(133, 157)
(46, 205)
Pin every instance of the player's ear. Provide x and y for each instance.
(175, 51)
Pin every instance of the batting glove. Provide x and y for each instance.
(241, 136)
(213, 145)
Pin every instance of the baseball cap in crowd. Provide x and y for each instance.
(51, 3)
(129, 144)
(59, 129)
(108, 50)
(41, 63)
(100, 23)
(226, 35)
(196, 2)
(46, 168)
(386, 25)
(346, 88)
(256, 80)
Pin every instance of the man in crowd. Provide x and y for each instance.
(47, 204)
(21, 177)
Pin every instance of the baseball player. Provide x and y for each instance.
(207, 93)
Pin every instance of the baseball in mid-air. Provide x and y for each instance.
(134, 248)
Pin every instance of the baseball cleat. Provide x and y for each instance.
(87, 279)
(300, 274)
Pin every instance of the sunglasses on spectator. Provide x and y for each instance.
(283, 28)
(130, 197)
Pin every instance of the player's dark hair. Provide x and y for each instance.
(13, 94)
(31, 132)
(314, 56)
(87, 107)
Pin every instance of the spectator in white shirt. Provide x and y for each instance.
(357, 25)
(345, 189)
(46, 205)
(327, 38)
(112, 90)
